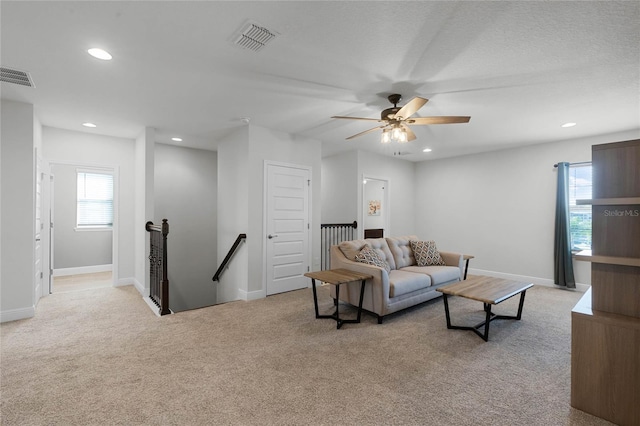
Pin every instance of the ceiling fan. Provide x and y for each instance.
(398, 119)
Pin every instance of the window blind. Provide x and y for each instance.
(95, 200)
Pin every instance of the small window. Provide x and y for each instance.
(95, 200)
(580, 178)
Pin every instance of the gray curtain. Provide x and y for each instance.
(563, 266)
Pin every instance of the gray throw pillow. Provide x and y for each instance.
(369, 256)
(426, 253)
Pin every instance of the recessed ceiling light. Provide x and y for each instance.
(100, 54)
(568, 124)
(176, 139)
(89, 125)
(426, 150)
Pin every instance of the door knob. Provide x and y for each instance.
(270, 236)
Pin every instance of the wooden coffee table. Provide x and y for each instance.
(337, 277)
(488, 290)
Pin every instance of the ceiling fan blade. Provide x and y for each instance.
(410, 135)
(367, 131)
(420, 121)
(411, 107)
(356, 118)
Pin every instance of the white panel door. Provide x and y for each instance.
(287, 228)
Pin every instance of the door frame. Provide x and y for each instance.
(265, 188)
(385, 203)
(115, 170)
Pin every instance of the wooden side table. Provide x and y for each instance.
(337, 277)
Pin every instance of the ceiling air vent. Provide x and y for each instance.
(253, 36)
(9, 75)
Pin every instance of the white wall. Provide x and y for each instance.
(500, 206)
(340, 188)
(233, 213)
(266, 144)
(186, 195)
(374, 190)
(241, 159)
(17, 211)
(74, 249)
(80, 148)
(143, 206)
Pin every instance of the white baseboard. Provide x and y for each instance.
(61, 272)
(154, 307)
(137, 285)
(535, 280)
(251, 295)
(17, 314)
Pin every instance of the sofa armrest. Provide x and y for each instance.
(453, 259)
(376, 290)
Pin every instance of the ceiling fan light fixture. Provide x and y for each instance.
(386, 136)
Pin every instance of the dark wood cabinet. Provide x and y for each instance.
(605, 324)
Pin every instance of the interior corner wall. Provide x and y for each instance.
(340, 188)
(500, 206)
(401, 176)
(270, 145)
(17, 215)
(186, 195)
(233, 213)
(144, 204)
(61, 146)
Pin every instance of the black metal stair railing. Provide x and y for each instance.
(159, 281)
(332, 234)
(228, 257)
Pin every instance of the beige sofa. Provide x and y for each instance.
(405, 285)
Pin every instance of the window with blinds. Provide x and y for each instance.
(95, 200)
(580, 178)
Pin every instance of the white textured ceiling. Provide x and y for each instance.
(520, 69)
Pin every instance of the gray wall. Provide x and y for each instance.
(73, 248)
(16, 211)
(186, 183)
(500, 206)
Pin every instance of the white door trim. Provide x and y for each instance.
(385, 204)
(115, 170)
(309, 169)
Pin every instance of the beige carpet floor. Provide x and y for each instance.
(80, 282)
(101, 357)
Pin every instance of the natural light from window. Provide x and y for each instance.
(580, 178)
(95, 200)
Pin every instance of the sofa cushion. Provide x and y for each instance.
(403, 282)
(351, 248)
(426, 253)
(401, 250)
(438, 274)
(370, 257)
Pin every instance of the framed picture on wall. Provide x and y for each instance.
(374, 207)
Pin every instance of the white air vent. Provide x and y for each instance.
(253, 36)
(14, 76)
